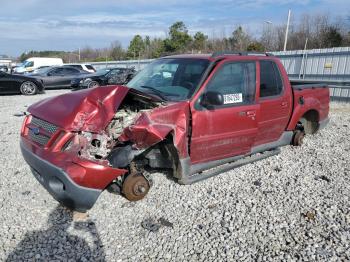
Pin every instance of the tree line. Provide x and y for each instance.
(318, 31)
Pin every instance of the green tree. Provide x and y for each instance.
(256, 46)
(179, 39)
(199, 41)
(239, 39)
(332, 37)
(136, 47)
(156, 48)
(117, 52)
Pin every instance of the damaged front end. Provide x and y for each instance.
(97, 136)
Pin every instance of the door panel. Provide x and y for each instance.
(275, 103)
(222, 133)
(230, 129)
(6, 83)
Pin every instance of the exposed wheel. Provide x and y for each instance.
(28, 88)
(93, 84)
(135, 187)
(298, 138)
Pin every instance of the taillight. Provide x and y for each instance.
(26, 121)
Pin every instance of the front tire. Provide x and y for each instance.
(28, 88)
(93, 84)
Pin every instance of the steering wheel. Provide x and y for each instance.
(187, 84)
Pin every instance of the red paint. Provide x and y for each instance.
(214, 134)
(89, 110)
(154, 126)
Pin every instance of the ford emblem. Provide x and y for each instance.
(35, 130)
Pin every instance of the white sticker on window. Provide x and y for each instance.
(233, 98)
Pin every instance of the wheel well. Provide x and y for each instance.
(310, 121)
(163, 155)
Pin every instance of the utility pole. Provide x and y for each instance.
(286, 36)
(79, 54)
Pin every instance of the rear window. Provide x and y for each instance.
(270, 79)
(90, 67)
(77, 66)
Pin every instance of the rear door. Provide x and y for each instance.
(275, 100)
(230, 129)
(53, 78)
(68, 75)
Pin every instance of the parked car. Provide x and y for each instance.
(86, 67)
(4, 68)
(58, 76)
(15, 84)
(33, 63)
(195, 115)
(114, 76)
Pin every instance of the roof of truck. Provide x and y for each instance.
(222, 54)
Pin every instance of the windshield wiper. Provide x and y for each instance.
(157, 92)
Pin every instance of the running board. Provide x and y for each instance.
(186, 180)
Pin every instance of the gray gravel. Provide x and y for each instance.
(293, 206)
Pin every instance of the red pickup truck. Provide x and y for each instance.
(194, 115)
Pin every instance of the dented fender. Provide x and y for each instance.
(155, 125)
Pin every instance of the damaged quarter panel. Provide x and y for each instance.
(155, 125)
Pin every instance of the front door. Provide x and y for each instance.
(6, 83)
(230, 129)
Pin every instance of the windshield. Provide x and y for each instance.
(28, 63)
(172, 79)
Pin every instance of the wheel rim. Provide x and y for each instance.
(28, 88)
(93, 84)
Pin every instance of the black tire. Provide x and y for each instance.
(28, 88)
(93, 84)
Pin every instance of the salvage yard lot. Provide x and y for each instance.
(295, 205)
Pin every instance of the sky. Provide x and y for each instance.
(71, 24)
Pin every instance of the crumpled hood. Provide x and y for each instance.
(87, 110)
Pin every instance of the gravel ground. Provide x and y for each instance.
(293, 206)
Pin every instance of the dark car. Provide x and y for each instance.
(115, 76)
(58, 76)
(12, 84)
(4, 68)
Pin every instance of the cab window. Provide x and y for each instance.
(236, 82)
(270, 79)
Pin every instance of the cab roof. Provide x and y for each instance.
(221, 54)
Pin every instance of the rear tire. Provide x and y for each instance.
(298, 138)
(28, 88)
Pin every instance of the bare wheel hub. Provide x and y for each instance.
(298, 138)
(135, 187)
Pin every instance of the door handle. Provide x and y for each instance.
(251, 113)
(284, 104)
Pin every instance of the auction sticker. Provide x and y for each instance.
(233, 98)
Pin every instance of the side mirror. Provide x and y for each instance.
(211, 98)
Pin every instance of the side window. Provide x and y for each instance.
(70, 71)
(55, 72)
(236, 82)
(270, 79)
